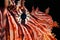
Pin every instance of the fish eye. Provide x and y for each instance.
(23, 16)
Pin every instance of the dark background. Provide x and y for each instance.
(54, 10)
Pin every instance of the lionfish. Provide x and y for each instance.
(20, 24)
